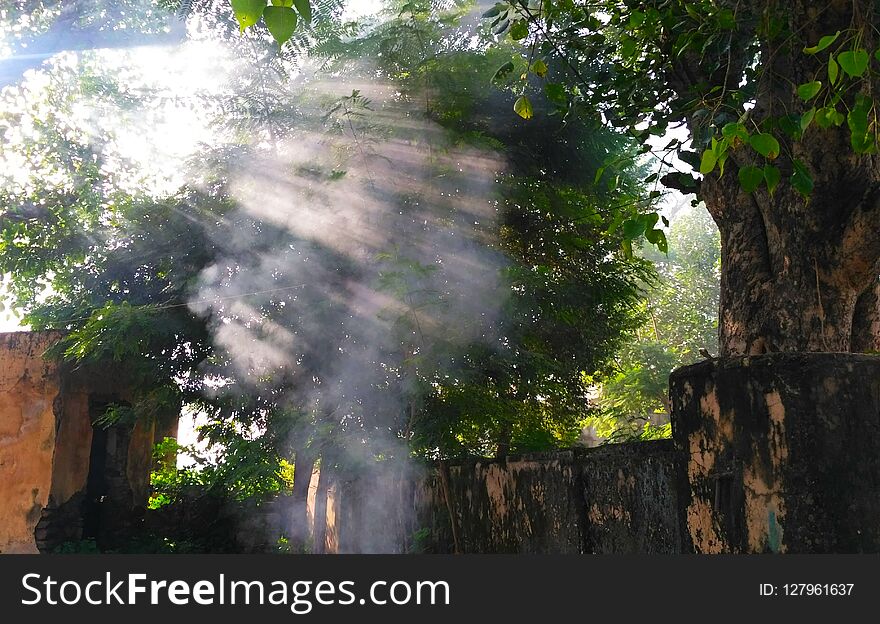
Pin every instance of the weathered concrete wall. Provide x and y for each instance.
(29, 387)
(529, 504)
(631, 494)
(45, 446)
(612, 499)
(781, 452)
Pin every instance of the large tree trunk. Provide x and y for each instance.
(325, 479)
(304, 463)
(866, 321)
(784, 285)
(800, 273)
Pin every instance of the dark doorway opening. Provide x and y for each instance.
(106, 485)
(96, 485)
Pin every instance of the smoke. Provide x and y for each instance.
(355, 254)
(370, 250)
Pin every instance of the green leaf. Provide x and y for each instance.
(657, 238)
(652, 235)
(801, 179)
(519, 30)
(765, 145)
(677, 178)
(863, 143)
(287, 3)
(722, 158)
(633, 228)
(853, 62)
(281, 22)
(628, 47)
(248, 12)
(503, 71)
(691, 158)
(636, 19)
(857, 119)
(304, 9)
(539, 68)
(772, 177)
(495, 11)
(735, 132)
(523, 107)
(807, 119)
(726, 19)
(833, 70)
(809, 90)
(750, 178)
(825, 117)
(501, 27)
(790, 125)
(824, 42)
(707, 163)
(556, 93)
(861, 138)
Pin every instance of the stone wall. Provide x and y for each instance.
(46, 438)
(29, 388)
(612, 499)
(618, 498)
(780, 452)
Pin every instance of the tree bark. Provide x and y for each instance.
(800, 273)
(866, 321)
(503, 445)
(785, 286)
(304, 463)
(325, 478)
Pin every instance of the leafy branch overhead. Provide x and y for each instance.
(648, 67)
(280, 16)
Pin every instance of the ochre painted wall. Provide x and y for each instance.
(29, 387)
(46, 439)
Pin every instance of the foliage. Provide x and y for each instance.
(92, 250)
(280, 17)
(571, 295)
(681, 320)
(649, 66)
(250, 469)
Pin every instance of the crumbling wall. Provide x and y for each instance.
(618, 498)
(529, 504)
(29, 393)
(779, 452)
(631, 495)
(46, 442)
(613, 499)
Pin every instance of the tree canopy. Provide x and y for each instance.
(378, 259)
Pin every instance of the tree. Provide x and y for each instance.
(681, 321)
(778, 100)
(571, 294)
(126, 269)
